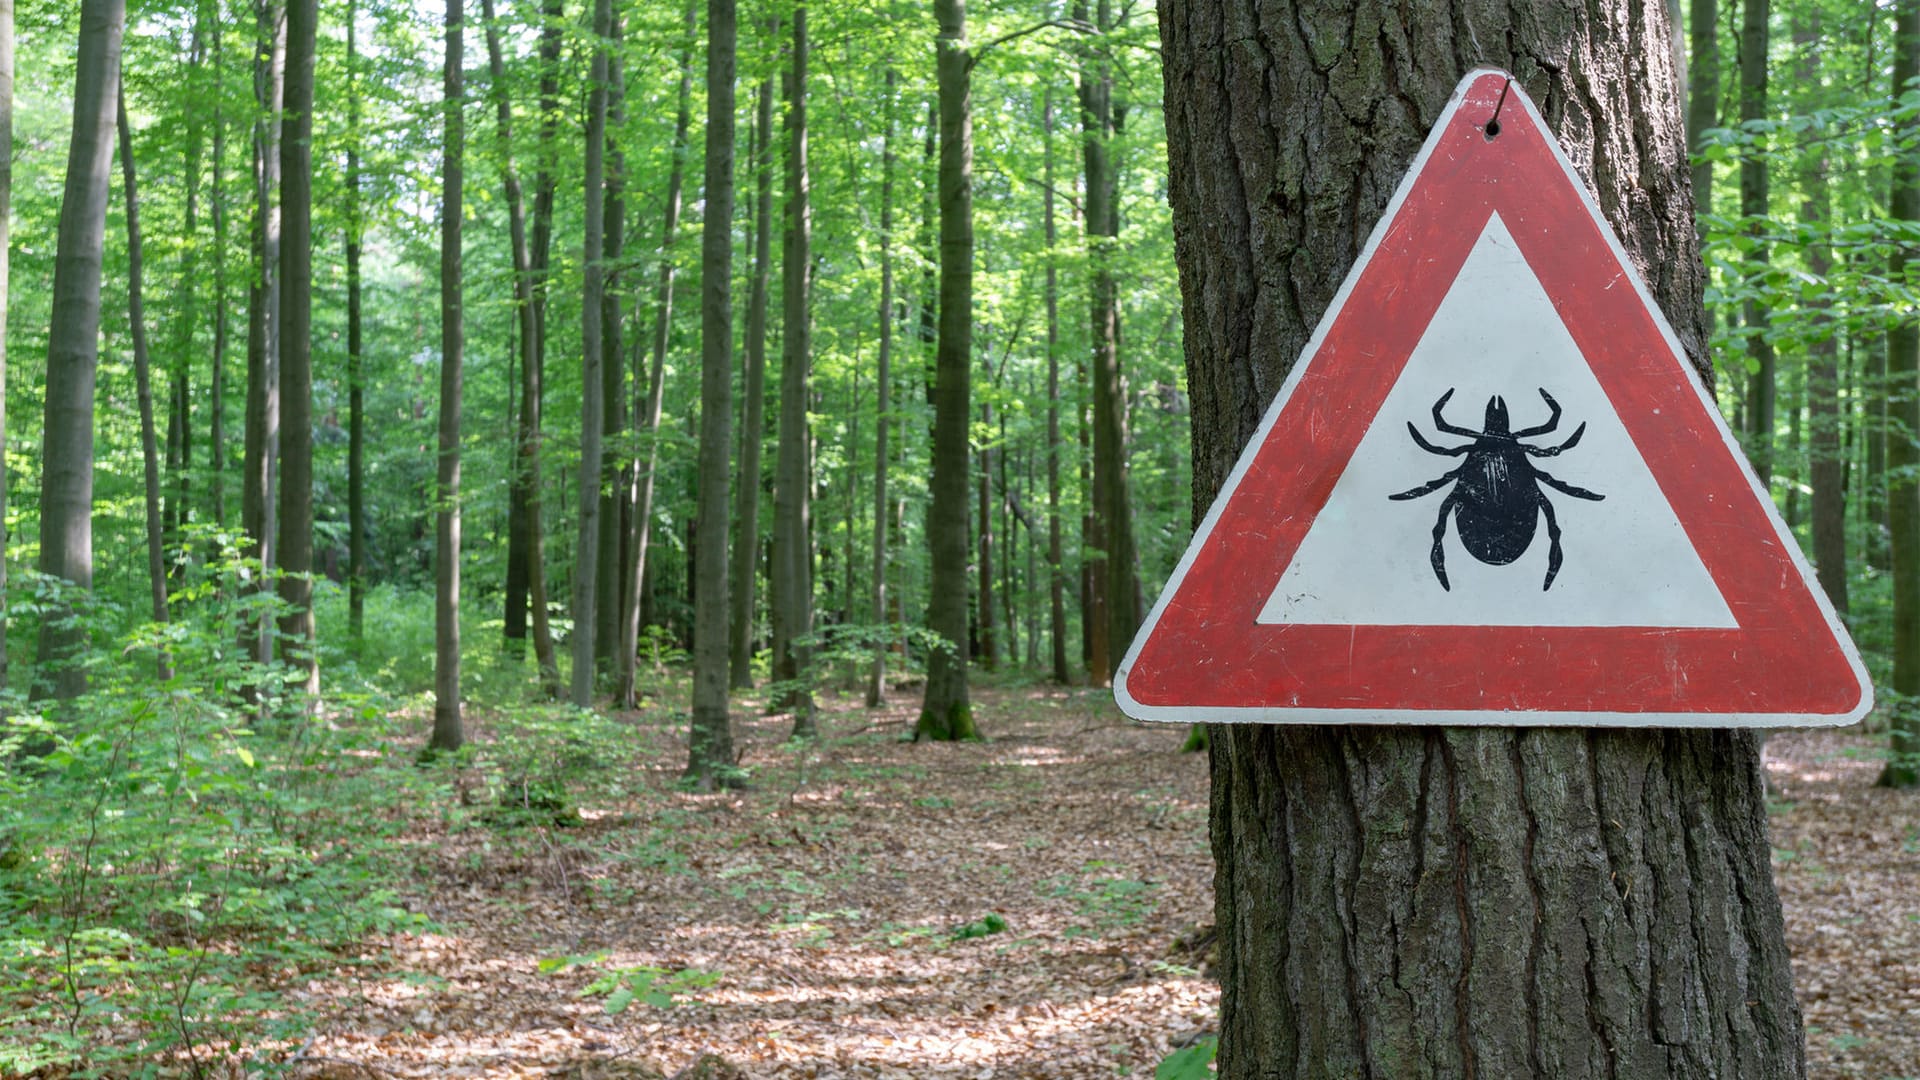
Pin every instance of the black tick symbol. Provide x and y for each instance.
(1496, 499)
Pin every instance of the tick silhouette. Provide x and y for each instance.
(1496, 499)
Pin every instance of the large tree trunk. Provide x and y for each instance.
(615, 510)
(6, 250)
(447, 731)
(73, 342)
(586, 561)
(883, 409)
(356, 369)
(298, 638)
(746, 545)
(648, 414)
(1446, 902)
(263, 315)
(791, 581)
(946, 712)
(1903, 422)
(1761, 385)
(143, 378)
(1056, 568)
(710, 738)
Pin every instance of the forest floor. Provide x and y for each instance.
(1031, 906)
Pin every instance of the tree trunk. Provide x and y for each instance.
(217, 383)
(296, 349)
(946, 712)
(1703, 96)
(6, 251)
(883, 408)
(257, 502)
(746, 545)
(649, 414)
(143, 378)
(1056, 559)
(587, 548)
(710, 739)
(73, 343)
(1439, 902)
(1873, 485)
(615, 511)
(179, 354)
(447, 730)
(791, 583)
(983, 535)
(1903, 422)
(1826, 461)
(356, 368)
(1754, 39)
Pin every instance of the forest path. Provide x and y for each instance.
(1022, 907)
(868, 908)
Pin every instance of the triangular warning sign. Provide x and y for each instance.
(1493, 491)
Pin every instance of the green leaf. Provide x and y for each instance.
(618, 1001)
(1192, 1063)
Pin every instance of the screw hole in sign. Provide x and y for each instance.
(1493, 122)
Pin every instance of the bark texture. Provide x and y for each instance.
(710, 739)
(587, 546)
(296, 348)
(448, 732)
(73, 339)
(790, 582)
(1427, 902)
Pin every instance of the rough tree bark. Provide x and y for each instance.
(746, 544)
(648, 414)
(73, 342)
(790, 581)
(710, 738)
(1434, 902)
(946, 711)
(143, 377)
(587, 546)
(447, 730)
(296, 349)
(1903, 422)
(262, 433)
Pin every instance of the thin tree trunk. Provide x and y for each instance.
(792, 582)
(257, 502)
(1873, 484)
(1703, 97)
(883, 408)
(296, 350)
(447, 730)
(179, 357)
(143, 379)
(6, 251)
(217, 384)
(1826, 462)
(710, 738)
(616, 475)
(592, 410)
(649, 415)
(1432, 901)
(746, 545)
(1754, 38)
(1903, 428)
(1056, 558)
(983, 534)
(946, 712)
(73, 345)
(356, 369)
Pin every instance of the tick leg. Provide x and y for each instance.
(1553, 543)
(1562, 485)
(1554, 451)
(1439, 555)
(1440, 421)
(1552, 421)
(1427, 488)
(1444, 451)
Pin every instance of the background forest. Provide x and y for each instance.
(406, 385)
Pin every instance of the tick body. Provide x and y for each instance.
(1497, 499)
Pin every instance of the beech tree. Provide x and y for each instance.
(447, 731)
(296, 347)
(1428, 901)
(790, 582)
(746, 543)
(73, 339)
(592, 409)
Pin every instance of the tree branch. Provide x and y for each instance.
(1075, 25)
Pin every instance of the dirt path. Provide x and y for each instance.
(1019, 908)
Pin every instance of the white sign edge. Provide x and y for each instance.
(1193, 714)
